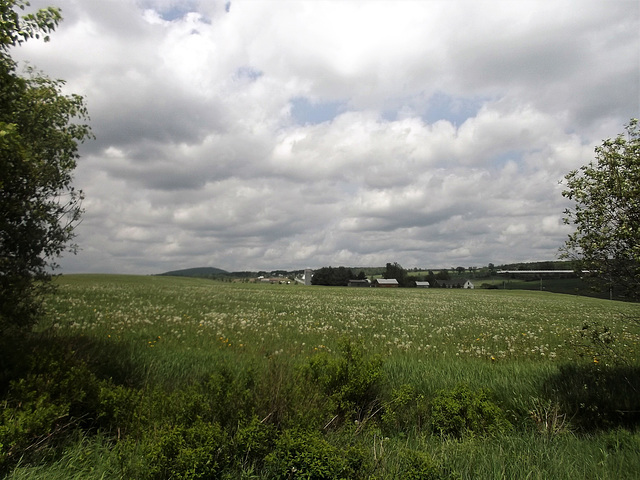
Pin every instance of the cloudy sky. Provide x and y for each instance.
(254, 134)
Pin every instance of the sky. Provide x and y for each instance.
(263, 135)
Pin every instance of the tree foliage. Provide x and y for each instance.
(607, 214)
(38, 152)
(395, 270)
(337, 277)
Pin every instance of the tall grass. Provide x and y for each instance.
(169, 361)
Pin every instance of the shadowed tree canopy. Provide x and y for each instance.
(38, 152)
(395, 270)
(607, 214)
(337, 277)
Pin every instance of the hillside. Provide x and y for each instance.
(196, 272)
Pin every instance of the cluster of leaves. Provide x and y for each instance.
(395, 270)
(38, 152)
(337, 277)
(351, 381)
(597, 396)
(607, 214)
(463, 411)
(407, 410)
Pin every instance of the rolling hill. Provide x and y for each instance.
(196, 272)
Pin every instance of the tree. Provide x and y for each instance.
(337, 277)
(607, 214)
(38, 152)
(443, 275)
(396, 271)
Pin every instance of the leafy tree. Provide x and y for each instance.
(607, 214)
(337, 277)
(395, 270)
(38, 153)
(443, 275)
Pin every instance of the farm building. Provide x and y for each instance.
(385, 282)
(359, 283)
(422, 285)
(457, 284)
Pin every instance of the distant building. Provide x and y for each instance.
(308, 273)
(423, 284)
(306, 277)
(386, 283)
(359, 283)
(457, 284)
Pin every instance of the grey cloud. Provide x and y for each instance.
(448, 126)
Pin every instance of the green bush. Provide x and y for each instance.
(196, 452)
(48, 401)
(300, 454)
(252, 442)
(597, 396)
(351, 381)
(419, 465)
(119, 410)
(406, 411)
(463, 411)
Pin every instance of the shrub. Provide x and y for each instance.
(119, 410)
(56, 394)
(351, 381)
(307, 455)
(597, 396)
(463, 411)
(195, 452)
(406, 410)
(252, 442)
(420, 466)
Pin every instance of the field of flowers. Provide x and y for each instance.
(292, 320)
(188, 378)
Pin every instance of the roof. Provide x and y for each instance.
(387, 281)
(422, 284)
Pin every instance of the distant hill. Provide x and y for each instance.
(205, 272)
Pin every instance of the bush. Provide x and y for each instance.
(463, 411)
(252, 443)
(407, 410)
(597, 396)
(351, 381)
(56, 393)
(420, 466)
(195, 452)
(307, 455)
(119, 410)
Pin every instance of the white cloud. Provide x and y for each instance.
(294, 134)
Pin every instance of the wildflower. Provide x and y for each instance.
(595, 360)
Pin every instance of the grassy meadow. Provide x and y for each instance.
(166, 377)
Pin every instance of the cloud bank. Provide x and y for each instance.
(286, 134)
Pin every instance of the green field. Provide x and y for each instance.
(164, 377)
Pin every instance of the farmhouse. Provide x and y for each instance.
(457, 284)
(386, 283)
